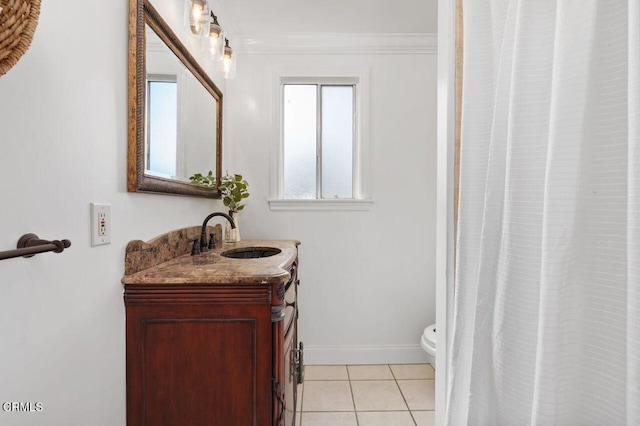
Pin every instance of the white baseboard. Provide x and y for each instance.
(341, 355)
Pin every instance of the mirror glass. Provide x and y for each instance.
(180, 116)
(175, 111)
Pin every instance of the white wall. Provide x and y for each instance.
(63, 141)
(368, 278)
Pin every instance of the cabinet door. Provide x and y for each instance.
(198, 365)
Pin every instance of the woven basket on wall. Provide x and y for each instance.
(18, 21)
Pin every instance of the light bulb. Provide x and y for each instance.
(196, 18)
(214, 35)
(214, 44)
(213, 40)
(197, 7)
(228, 66)
(228, 51)
(196, 12)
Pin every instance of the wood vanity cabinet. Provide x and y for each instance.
(213, 354)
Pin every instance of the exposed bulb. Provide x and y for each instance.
(228, 51)
(228, 61)
(226, 65)
(197, 7)
(214, 44)
(215, 36)
(197, 10)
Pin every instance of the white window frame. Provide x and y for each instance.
(359, 78)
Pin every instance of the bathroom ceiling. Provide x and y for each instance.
(281, 17)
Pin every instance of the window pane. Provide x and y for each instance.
(162, 128)
(337, 141)
(299, 141)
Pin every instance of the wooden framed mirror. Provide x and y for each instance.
(175, 111)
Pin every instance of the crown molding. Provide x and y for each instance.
(309, 44)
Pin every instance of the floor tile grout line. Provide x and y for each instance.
(396, 380)
(353, 399)
(403, 397)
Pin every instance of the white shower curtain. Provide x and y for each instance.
(547, 300)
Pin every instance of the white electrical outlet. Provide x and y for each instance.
(100, 224)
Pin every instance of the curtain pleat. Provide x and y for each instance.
(547, 301)
(633, 218)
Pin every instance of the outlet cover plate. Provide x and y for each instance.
(100, 224)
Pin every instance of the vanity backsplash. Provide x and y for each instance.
(140, 255)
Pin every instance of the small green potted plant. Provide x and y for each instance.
(234, 192)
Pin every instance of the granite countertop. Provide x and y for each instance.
(211, 268)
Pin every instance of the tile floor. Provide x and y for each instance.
(367, 395)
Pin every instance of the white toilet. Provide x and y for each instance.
(428, 343)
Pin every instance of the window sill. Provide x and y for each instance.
(320, 205)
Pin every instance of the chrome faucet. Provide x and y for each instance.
(203, 234)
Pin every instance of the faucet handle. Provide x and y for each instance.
(212, 241)
(196, 247)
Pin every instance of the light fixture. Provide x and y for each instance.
(196, 14)
(228, 61)
(202, 22)
(214, 39)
